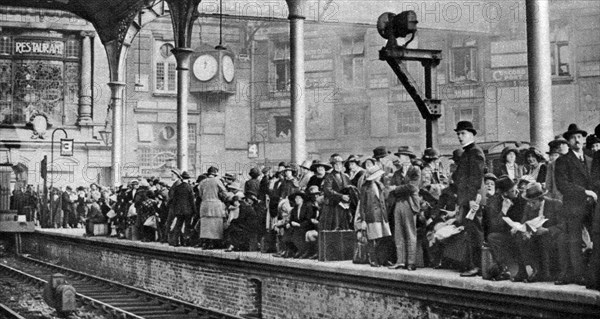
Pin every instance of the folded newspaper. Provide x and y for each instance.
(532, 225)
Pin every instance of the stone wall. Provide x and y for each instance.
(236, 285)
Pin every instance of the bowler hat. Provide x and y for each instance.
(465, 126)
(379, 152)
(504, 183)
(405, 150)
(573, 129)
(316, 163)
(431, 153)
(212, 170)
(534, 191)
(185, 175)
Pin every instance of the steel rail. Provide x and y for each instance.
(128, 295)
(6, 312)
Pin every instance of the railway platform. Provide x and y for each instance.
(253, 282)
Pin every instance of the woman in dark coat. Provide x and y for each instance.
(241, 229)
(300, 222)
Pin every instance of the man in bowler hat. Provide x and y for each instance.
(573, 180)
(469, 181)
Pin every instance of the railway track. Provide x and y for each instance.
(118, 300)
(7, 313)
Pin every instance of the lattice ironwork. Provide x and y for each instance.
(38, 87)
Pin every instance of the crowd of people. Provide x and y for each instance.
(407, 211)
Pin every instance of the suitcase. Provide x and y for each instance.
(100, 229)
(336, 245)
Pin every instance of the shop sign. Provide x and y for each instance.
(39, 47)
(515, 74)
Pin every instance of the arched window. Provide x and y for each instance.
(165, 79)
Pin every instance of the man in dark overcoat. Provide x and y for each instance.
(469, 182)
(573, 180)
(183, 206)
(593, 273)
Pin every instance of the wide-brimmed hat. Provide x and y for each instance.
(465, 126)
(374, 173)
(379, 152)
(353, 159)
(335, 158)
(573, 129)
(185, 175)
(534, 191)
(292, 197)
(364, 161)
(490, 176)
(536, 153)
(591, 140)
(316, 163)
(235, 187)
(504, 183)
(313, 190)
(405, 150)
(430, 153)
(176, 172)
(507, 150)
(306, 164)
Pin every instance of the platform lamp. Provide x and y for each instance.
(106, 132)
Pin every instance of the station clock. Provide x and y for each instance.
(213, 71)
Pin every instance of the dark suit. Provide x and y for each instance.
(538, 249)
(594, 267)
(181, 203)
(468, 178)
(572, 180)
(502, 243)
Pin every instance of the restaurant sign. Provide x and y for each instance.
(39, 47)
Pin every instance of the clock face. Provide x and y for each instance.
(205, 67)
(228, 68)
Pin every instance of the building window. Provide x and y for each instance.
(165, 71)
(281, 59)
(283, 127)
(353, 56)
(559, 49)
(72, 48)
(463, 61)
(5, 45)
(408, 120)
(470, 114)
